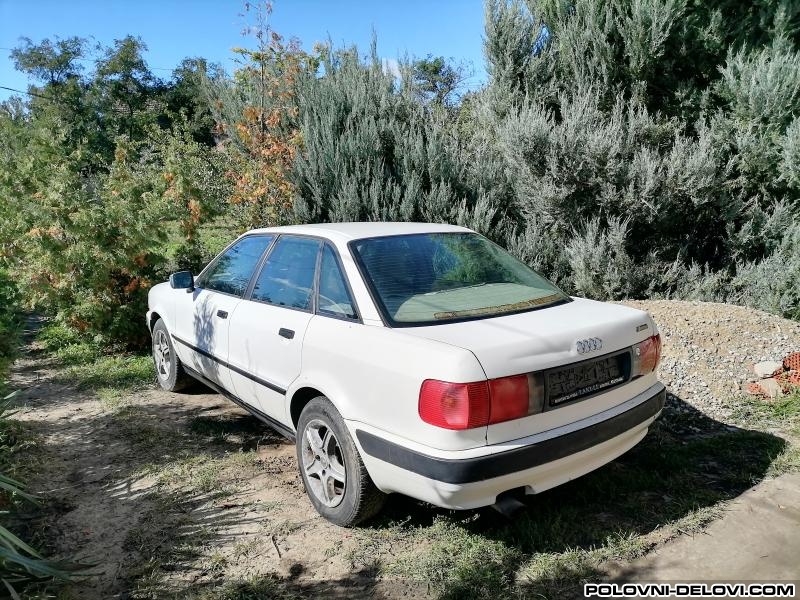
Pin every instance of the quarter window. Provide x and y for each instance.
(231, 273)
(334, 297)
(287, 278)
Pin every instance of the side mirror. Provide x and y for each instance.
(182, 280)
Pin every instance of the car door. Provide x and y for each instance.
(267, 330)
(203, 316)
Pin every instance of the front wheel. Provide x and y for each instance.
(169, 368)
(336, 480)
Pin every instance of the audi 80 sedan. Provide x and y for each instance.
(410, 358)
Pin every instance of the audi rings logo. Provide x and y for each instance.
(590, 345)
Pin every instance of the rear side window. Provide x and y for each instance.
(334, 296)
(287, 278)
(232, 271)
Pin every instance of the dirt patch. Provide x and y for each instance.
(172, 494)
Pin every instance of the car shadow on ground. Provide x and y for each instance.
(686, 465)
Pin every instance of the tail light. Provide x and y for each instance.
(454, 405)
(646, 356)
(469, 405)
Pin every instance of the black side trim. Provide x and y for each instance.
(279, 427)
(469, 470)
(236, 369)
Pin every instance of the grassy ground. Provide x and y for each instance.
(111, 375)
(24, 570)
(780, 416)
(675, 482)
(17, 450)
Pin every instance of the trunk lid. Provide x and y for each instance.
(543, 339)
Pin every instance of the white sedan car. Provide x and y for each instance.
(413, 358)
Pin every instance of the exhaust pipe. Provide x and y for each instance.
(510, 502)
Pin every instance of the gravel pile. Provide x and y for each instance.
(709, 349)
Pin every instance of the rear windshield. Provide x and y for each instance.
(438, 277)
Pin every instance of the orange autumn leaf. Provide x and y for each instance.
(132, 286)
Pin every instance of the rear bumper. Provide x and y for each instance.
(548, 459)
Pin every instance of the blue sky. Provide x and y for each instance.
(173, 29)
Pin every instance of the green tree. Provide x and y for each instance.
(371, 151)
(187, 95)
(51, 62)
(98, 174)
(438, 80)
(126, 88)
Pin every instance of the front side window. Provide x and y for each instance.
(334, 296)
(287, 278)
(438, 277)
(232, 271)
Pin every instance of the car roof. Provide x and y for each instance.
(344, 232)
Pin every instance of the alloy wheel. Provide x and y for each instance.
(323, 463)
(161, 355)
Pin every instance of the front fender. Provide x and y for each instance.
(161, 301)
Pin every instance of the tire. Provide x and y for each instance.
(325, 453)
(170, 373)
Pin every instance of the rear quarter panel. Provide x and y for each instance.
(373, 375)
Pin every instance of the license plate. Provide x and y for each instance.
(587, 378)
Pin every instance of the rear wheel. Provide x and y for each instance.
(336, 480)
(169, 368)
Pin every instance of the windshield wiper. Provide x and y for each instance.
(448, 289)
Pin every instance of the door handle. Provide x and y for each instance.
(222, 314)
(287, 333)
